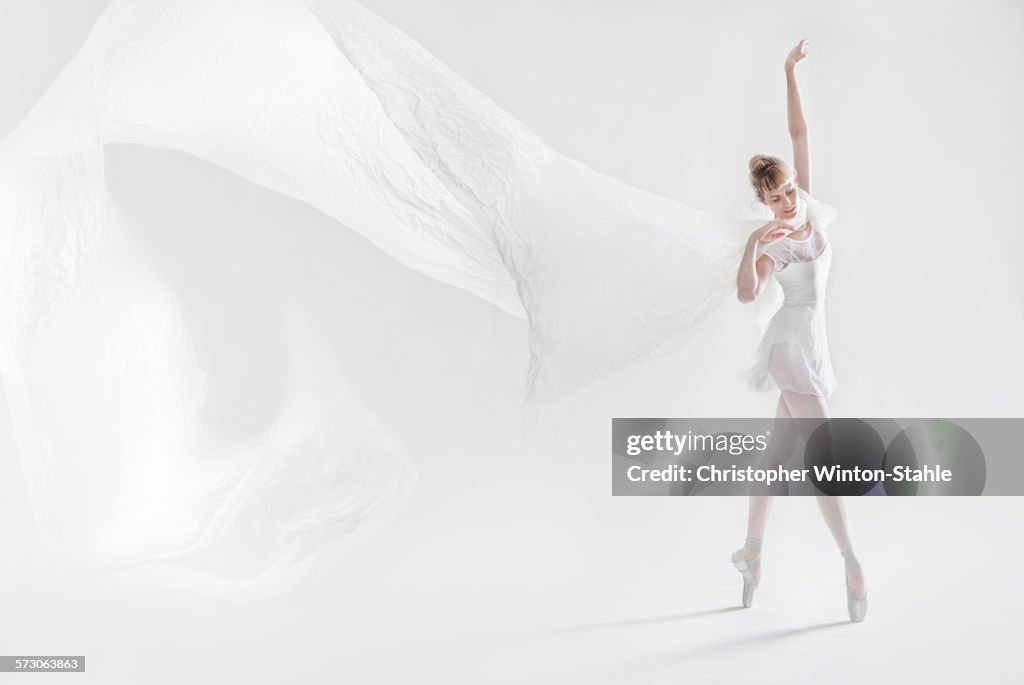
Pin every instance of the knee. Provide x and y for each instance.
(771, 461)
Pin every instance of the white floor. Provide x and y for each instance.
(496, 575)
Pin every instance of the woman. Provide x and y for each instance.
(793, 355)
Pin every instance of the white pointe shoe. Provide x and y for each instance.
(857, 608)
(746, 567)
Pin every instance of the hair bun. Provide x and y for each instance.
(759, 163)
(767, 173)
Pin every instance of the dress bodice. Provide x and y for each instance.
(801, 267)
(804, 282)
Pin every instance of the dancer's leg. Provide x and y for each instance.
(832, 508)
(761, 502)
(782, 444)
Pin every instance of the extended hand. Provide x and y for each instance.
(797, 54)
(772, 230)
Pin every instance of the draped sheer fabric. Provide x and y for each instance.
(326, 103)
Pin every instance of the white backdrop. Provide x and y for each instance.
(912, 109)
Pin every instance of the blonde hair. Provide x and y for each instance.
(767, 173)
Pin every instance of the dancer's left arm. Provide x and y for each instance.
(795, 114)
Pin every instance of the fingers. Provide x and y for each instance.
(773, 236)
(776, 229)
(779, 230)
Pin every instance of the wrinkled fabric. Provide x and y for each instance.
(324, 102)
(608, 274)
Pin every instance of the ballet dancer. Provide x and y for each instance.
(793, 355)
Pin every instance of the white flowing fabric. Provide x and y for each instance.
(324, 102)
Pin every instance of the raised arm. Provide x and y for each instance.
(795, 114)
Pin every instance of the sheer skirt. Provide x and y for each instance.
(793, 355)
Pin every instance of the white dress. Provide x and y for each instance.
(793, 354)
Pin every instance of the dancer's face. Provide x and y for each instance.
(784, 200)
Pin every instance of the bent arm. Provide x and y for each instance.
(754, 273)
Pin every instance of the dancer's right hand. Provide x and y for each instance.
(772, 230)
(797, 55)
